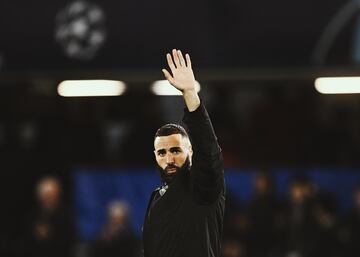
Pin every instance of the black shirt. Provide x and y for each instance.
(187, 220)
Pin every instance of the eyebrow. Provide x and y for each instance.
(161, 151)
(175, 148)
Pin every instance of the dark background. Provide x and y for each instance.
(224, 34)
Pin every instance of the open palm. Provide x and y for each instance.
(182, 75)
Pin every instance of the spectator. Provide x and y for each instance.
(51, 230)
(300, 225)
(263, 213)
(233, 248)
(236, 222)
(326, 241)
(352, 227)
(116, 238)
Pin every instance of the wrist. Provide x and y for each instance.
(192, 99)
(189, 92)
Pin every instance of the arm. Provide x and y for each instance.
(207, 158)
(196, 118)
(207, 170)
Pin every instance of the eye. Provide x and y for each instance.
(175, 151)
(161, 153)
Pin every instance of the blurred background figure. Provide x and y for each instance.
(233, 248)
(236, 227)
(263, 212)
(51, 231)
(116, 238)
(300, 223)
(351, 232)
(326, 237)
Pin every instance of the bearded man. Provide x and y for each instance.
(184, 217)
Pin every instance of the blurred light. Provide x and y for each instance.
(28, 133)
(72, 88)
(80, 29)
(338, 85)
(163, 87)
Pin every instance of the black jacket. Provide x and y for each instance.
(187, 220)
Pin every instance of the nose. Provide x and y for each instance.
(170, 159)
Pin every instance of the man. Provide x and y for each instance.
(51, 230)
(116, 238)
(184, 217)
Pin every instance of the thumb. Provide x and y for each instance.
(168, 76)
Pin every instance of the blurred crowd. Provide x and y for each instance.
(51, 230)
(305, 223)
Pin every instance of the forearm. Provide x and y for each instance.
(208, 170)
(201, 131)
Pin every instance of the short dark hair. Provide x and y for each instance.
(170, 129)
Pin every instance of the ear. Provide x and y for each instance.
(190, 153)
(188, 146)
(190, 149)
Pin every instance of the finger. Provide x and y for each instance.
(176, 58)
(181, 58)
(188, 61)
(170, 62)
(168, 76)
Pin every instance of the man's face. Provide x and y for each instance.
(297, 193)
(171, 152)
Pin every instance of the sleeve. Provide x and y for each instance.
(207, 170)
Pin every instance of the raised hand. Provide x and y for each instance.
(182, 78)
(182, 75)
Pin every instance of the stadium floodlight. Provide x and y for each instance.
(338, 85)
(164, 88)
(84, 88)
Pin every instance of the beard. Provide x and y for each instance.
(168, 178)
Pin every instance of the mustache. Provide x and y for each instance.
(169, 177)
(171, 166)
